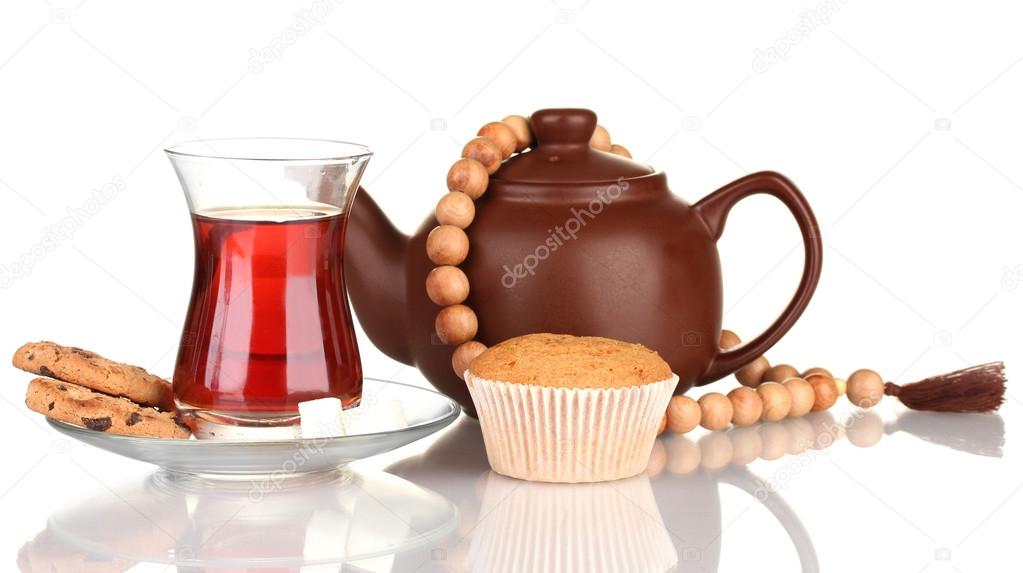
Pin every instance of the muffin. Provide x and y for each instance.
(562, 408)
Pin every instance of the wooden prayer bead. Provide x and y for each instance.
(447, 285)
(464, 355)
(777, 401)
(825, 391)
(780, 373)
(751, 374)
(455, 208)
(715, 411)
(729, 340)
(747, 406)
(486, 151)
(619, 150)
(456, 324)
(447, 245)
(840, 383)
(865, 388)
(520, 126)
(468, 176)
(600, 139)
(815, 370)
(683, 414)
(802, 396)
(501, 134)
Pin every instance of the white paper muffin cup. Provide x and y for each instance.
(556, 434)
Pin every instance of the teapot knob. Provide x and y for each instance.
(570, 126)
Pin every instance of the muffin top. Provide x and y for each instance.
(569, 361)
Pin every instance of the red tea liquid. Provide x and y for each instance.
(268, 324)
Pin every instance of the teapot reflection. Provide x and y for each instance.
(444, 510)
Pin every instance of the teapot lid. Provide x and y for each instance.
(561, 153)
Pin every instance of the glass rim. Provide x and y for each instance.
(332, 150)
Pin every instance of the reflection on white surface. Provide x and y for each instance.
(313, 523)
(670, 519)
(597, 527)
(667, 520)
(980, 434)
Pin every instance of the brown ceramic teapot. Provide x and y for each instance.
(569, 239)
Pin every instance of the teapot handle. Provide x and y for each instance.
(713, 210)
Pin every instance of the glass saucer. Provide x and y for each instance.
(425, 412)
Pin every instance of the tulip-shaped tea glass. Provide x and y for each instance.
(268, 324)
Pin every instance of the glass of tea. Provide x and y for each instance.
(268, 323)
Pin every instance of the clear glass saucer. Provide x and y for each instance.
(425, 411)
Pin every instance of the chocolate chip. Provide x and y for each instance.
(30, 356)
(62, 388)
(81, 352)
(135, 418)
(44, 371)
(50, 407)
(99, 424)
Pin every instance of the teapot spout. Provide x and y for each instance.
(376, 277)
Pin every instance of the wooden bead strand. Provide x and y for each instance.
(447, 245)
(768, 394)
(774, 393)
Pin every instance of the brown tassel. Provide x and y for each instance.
(975, 389)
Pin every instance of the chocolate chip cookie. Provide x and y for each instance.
(92, 371)
(83, 407)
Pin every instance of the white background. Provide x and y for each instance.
(901, 123)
